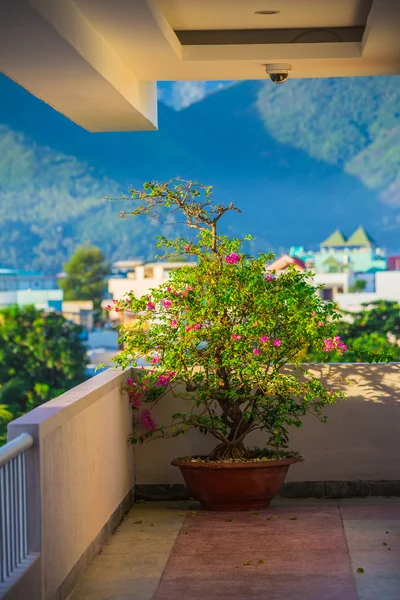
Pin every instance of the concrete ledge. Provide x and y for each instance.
(83, 563)
(26, 576)
(293, 489)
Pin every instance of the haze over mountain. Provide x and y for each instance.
(299, 160)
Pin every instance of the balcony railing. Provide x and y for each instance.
(14, 545)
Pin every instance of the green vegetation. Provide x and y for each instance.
(224, 330)
(41, 357)
(358, 286)
(373, 333)
(351, 123)
(50, 203)
(85, 275)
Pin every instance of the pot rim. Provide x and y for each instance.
(262, 464)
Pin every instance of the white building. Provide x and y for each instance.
(140, 278)
(23, 288)
(387, 287)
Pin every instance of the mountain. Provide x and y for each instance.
(299, 160)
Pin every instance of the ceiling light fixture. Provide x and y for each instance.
(267, 12)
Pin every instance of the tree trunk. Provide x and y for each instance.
(229, 451)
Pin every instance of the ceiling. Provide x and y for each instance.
(241, 14)
(98, 61)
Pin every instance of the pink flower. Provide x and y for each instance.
(188, 328)
(116, 309)
(108, 307)
(270, 278)
(236, 337)
(168, 289)
(256, 351)
(277, 342)
(335, 345)
(150, 306)
(115, 301)
(129, 381)
(166, 303)
(174, 323)
(147, 420)
(134, 399)
(164, 380)
(321, 323)
(156, 360)
(187, 248)
(263, 339)
(232, 259)
(190, 288)
(196, 326)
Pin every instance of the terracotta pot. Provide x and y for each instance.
(235, 486)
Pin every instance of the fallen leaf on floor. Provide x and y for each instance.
(246, 564)
(151, 524)
(181, 514)
(292, 518)
(137, 522)
(360, 570)
(229, 520)
(389, 548)
(261, 561)
(384, 544)
(255, 514)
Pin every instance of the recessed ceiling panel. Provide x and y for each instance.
(241, 14)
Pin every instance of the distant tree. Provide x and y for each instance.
(86, 274)
(358, 286)
(41, 357)
(375, 330)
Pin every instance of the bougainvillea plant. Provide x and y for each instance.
(224, 333)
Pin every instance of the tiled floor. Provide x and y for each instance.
(295, 550)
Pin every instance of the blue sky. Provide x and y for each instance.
(179, 94)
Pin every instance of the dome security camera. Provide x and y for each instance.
(278, 72)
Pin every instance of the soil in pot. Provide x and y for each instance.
(235, 485)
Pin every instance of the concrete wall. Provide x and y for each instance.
(354, 302)
(361, 440)
(388, 285)
(83, 473)
(333, 280)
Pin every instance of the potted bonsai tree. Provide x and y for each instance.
(231, 338)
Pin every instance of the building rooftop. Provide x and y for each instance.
(359, 238)
(335, 239)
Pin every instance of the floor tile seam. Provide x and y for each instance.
(348, 551)
(167, 562)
